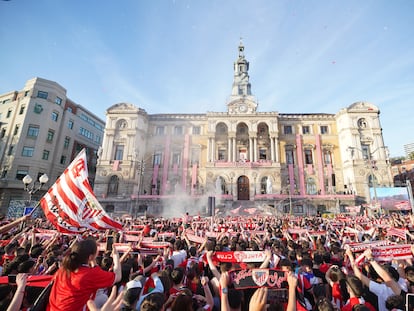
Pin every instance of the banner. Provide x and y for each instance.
(155, 244)
(120, 247)
(360, 247)
(70, 204)
(131, 238)
(254, 278)
(195, 238)
(398, 232)
(392, 252)
(240, 256)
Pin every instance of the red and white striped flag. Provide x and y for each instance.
(70, 204)
(398, 232)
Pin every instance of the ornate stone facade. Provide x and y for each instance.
(300, 163)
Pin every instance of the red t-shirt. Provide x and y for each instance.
(71, 291)
(354, 301)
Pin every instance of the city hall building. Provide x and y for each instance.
(276, 162)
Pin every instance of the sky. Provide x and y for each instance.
(176, 56)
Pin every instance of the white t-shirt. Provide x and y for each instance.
(178, 257)
(383, 292)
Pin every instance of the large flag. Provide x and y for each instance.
(70, 204)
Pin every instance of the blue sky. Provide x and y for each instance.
(305, 56)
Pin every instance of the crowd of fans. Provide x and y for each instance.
(173, 264)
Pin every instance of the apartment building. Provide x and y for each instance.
(41, 131)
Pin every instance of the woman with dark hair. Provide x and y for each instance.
(80, 277)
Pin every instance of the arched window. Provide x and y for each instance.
(113, 185)
(310, 186)
(371, 180)
(263, 185)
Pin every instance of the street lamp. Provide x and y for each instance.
(30, 185)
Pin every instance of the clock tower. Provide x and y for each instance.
(241, 100)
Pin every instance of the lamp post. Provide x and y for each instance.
(30, 185)
(33, 186)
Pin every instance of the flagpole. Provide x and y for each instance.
(410, 195)
(34, 208)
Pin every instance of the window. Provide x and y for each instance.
(222, 129)
(8, 113)
(157, 158)
(305, 129)
(11, 150)
(327, 157)
(38, 109)
(176, 158)
(311, 186)
(365, 152)
(50, 134)
(26, 93)
(21, 172)
(221, 156)
(113, 185)
(178, 130)
(3, 132)
(98, 139)
(289, 157)
(287, 129)
(69, 109)
(362, 123)
(262, 154)
(66, 142)
(54, 116)
(42, 94)
(324, 129)
(22, 109)
(196, 130)
(3, 173)
(70, 124)
(195, 156)
(119, 152)
(16, 129)
(27, 151)
(308, 156)
(298, 209)
(86, 133)
(45, 155)
(33, 131)
(63, 159)
(159, 130)
(58, 101)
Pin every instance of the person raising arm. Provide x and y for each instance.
(80, 277)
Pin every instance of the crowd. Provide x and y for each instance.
(191, 263)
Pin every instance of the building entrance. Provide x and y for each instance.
(243, 188)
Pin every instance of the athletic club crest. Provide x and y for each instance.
(260, 276)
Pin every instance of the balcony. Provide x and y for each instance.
(245, 164)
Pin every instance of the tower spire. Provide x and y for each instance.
(241, 84)
(241, 99)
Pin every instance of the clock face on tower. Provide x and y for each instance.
(242, 108)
